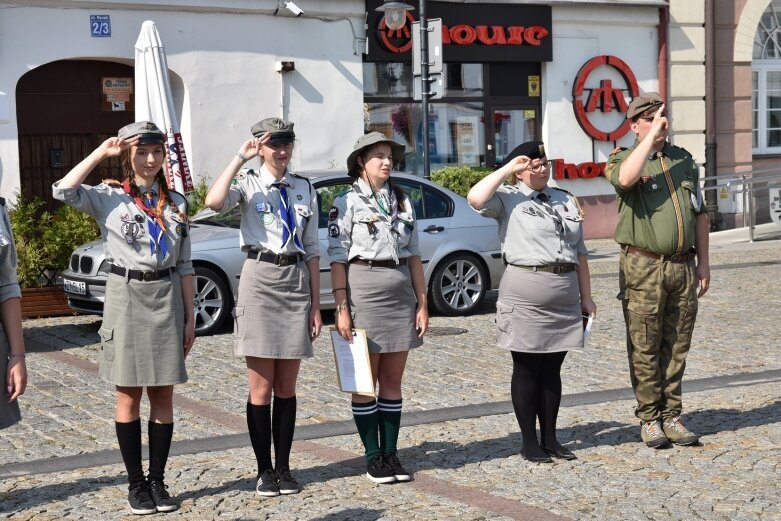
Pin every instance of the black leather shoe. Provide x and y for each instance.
(536, 459)
(561, 453)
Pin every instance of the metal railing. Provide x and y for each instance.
(748, 183)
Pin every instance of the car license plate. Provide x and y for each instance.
(73, 286)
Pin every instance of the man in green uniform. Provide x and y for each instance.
(663, 229)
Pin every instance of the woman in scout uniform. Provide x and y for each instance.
(148, 322)
(378, 285)
(544, 292)
(13, 372)
(278, 308)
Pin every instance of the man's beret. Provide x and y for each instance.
(644, 103)
(530, 149)
(146, 131)
(281, 131)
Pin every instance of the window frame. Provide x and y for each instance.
(762, 68)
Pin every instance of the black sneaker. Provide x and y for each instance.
(163, 500)
(267, 485)
(140, 500)
(378, 471)
(287, 483)
(399, 472)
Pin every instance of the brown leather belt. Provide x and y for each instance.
(140, 275)
(280, 259)
(678, 257)
(558, 269)
(378, 263)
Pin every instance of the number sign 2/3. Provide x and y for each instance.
(100, 25)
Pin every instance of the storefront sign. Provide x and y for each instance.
(534, 86)
(605, 98)
(470, 33)
(117, 85)
(466, 140)
(587, 170)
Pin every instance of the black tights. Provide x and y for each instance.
(536, 393)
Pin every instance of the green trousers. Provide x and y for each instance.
(660, 306)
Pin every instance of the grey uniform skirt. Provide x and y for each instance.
(142, 335)
(9, 412)
(538, 312)
(383, 303)
(272, 311)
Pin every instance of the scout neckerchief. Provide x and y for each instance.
(387, 217)
(288, 217)
(154, 223)
(545, 201)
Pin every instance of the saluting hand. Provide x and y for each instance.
(251, 147)
(659, 123)
(519, 163)
(114, 146)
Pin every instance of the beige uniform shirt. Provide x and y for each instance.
(356, 230)
(9, 284)
(261, 222)
(533, 232)
(125, 230)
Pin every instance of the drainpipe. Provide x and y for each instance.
(664, 17)
(711, 196)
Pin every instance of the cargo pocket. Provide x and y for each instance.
(644, 323)
(239, 324)
(504, 315)
(107, 343)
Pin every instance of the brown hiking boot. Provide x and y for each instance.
(677, 433)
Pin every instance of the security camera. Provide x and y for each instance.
(293, 8)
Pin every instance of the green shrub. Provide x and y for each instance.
(196, 199)
(460, 179)
(45, 239)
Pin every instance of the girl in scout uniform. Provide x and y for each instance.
(13, 372)
(148, 322)
(277, 313)
(378, 285)
(544, 292)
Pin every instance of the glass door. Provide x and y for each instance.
(511, 127)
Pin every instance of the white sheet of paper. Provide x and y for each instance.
(587, 330)
(352, 362)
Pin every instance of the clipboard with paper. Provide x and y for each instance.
(353, 367)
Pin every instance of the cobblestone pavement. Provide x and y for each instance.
(466, 468)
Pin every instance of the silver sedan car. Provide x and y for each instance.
(460, 252)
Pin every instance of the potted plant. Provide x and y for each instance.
(44, 243)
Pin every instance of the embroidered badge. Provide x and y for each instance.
(131, 230)
(139, 218)
(268, 218)
(262, 207)
(333, 213)
(333, 230)
(300, 197)
(179, 230)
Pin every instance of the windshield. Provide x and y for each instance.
(229, 219)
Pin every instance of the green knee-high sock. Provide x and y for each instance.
(390, 421)
(366, 420)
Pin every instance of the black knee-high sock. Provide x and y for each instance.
(283, 425)
(160, 435)
(550, 398)
(129, 438)
(259, 424)
(525, 399)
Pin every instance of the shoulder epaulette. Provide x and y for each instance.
(682, 150)
(562, 190)
(617, 150)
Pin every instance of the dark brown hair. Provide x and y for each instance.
(165, 194)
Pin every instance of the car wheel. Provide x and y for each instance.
(211, 299)
(458, 285)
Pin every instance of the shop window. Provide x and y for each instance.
(455, 132)
(394, 80)
(766, 83)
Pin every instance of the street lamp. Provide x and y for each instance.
(395, 18)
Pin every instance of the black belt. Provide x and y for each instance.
(140, 275)
(390, 263)
(676, 257)
(557, 269)
(280, 259)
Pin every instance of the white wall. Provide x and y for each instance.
(581, 34)
(226, 64)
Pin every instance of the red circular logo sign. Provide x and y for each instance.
(397, 40)
(605, 98)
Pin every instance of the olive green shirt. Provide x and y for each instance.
(658, 212)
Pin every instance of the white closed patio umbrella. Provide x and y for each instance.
(154, 103)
